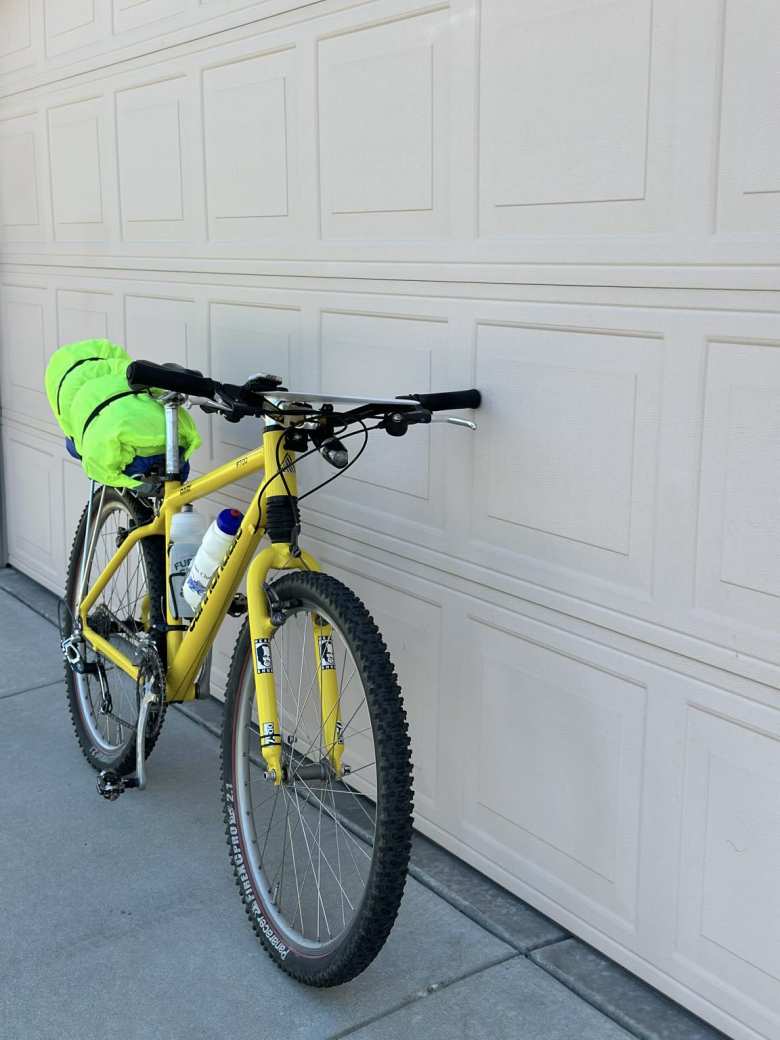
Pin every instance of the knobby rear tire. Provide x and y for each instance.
(123, 761)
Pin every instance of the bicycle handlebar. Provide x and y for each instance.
(249, 398)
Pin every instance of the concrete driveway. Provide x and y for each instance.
(122, 919)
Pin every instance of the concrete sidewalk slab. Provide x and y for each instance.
(123, 917)
(644, 1011)
(30, 648)
(29, 592)
(511, 1001)
(475, 895)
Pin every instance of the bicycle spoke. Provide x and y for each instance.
(338, 823)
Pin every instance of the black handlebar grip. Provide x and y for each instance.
(144, 374)
(453, 399)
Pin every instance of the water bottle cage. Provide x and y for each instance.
(163, 627)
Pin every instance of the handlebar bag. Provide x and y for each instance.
(111, 426)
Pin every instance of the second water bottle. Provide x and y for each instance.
(216, 542)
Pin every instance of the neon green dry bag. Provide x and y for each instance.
(117, 432)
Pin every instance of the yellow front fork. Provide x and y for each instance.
(261, 630)
(327, 679)
(280, 556)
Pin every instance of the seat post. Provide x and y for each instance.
(172, 468)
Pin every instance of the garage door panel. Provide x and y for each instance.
(166, 328)
(18, 48)
(567, 455)
(79, 163)
(559, 728)
(32, 468)
(738, 565)
(385, 354)
(163, 329)
(157, 161)
(250, 139)
(132, 14)
(384, 112)
(574, 129)
(749, 168)
(27, 325)
(728, 901)
(86, 315)
(22, 212)
(75, 23)
(246, 339)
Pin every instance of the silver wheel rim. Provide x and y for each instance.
(308, 844)
(119, 607)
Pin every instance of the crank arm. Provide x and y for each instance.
(147, 701)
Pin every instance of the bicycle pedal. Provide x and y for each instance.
(238, 605)
(110, 784)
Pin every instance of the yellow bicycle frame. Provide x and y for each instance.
(187, 649)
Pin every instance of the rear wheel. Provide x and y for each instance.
(105, 713)
(320, 862)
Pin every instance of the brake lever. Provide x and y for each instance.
(456, 421)
(206, 404)
(232, 404)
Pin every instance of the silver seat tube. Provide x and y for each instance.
(171, 403)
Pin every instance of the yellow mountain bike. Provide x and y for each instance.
(316, 764)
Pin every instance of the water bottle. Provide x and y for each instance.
(216, 542)
(187, 530)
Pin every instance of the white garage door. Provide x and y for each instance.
(574, 205)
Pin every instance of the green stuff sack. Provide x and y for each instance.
(111, 427)
(70, 366)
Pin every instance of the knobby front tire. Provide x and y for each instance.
(320, 863)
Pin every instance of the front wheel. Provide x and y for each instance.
(320, 862)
